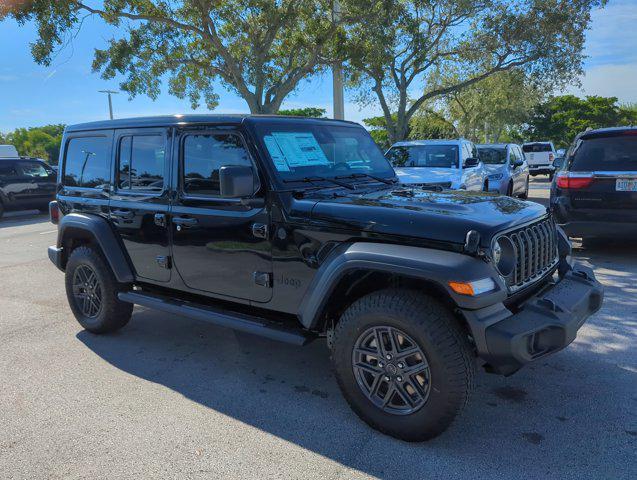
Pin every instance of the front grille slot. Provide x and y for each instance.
(536, 252)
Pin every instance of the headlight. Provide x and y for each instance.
(503, 255)
(495, 176)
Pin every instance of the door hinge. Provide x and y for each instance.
(263, 279)
(260, 230)
(164, 261)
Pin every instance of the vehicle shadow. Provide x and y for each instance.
(27, 217)
(534, 420)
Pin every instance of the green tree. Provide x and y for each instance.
(397, 52)
(561, 118)
(312, 112)
(494, 109)
(260, 49)
(425, 125)
(42, 142)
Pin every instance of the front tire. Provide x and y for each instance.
(403, 364)
(525, 195)
(91, 290)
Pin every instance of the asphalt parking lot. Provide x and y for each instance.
(174, 398)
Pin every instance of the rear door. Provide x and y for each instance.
(220, 245)
(611, 161)
(140, 199)
(42, 181)
(9, 184)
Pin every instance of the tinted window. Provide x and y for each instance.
(441, 156)
(494, 156)
(34, 169)
(605, 153)
(141, 163)
(204, 155)
(87, 162)
(7, 169)
(537, 147)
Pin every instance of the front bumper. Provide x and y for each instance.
(55, 255)
(543, 324)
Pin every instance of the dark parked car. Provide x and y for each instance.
(25, 183)
(295, 229)
(594, 194)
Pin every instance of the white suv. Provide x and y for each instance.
(539, 156)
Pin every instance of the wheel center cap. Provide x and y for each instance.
(391, 369)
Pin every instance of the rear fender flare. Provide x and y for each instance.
(101, 233)
(437, 266)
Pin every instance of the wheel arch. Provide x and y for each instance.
(77, 229)
(354, 270)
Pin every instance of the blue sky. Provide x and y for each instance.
(66, 92)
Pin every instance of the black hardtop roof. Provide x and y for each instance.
(196, 119)
(607, 131)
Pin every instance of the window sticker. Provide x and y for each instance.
(300, 149)
(277, 155)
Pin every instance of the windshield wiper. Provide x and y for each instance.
(320, 179)
(367, 175)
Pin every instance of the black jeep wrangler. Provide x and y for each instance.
(296, 229)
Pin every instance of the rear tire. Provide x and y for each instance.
(91, 290)
(432, 398)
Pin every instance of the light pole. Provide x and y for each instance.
(337, 73)
(110, 102)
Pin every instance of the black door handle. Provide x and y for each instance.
(185, 222)
(124, 214)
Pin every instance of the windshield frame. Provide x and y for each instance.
(255, 127)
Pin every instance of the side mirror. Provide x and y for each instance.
(558, 162)
(471, 162)
(517, 164)
(236, 181)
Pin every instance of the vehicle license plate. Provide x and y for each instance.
(626, 185)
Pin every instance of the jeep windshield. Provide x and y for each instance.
(432, 156)
(310, 152)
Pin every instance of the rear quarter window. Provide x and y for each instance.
(87, 162)
(8, 170)
(605, 153)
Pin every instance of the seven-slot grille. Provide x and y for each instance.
(536, 252)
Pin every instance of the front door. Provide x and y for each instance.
(140, 200)
(220, 245)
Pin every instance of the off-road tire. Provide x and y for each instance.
(112, 314)
(449, 354)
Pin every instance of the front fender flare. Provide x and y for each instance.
(99, 230)
(438, 266)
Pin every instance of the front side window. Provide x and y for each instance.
(87, 162)
(204, 154)
(34, 169)
(433, 156)
(141, 163)
(494, 155)
(300, 150)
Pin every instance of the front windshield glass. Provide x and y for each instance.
(433, 156)
(493, 156)
(305, 150)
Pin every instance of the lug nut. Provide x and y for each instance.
(381, 364)
(401, 365)
(386, 378)
(400, 379)
(388, 357)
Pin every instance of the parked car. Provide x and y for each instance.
(8, 151)
(539, 156)
(507, 169)
(450, 164)
(25, 184)
(594, 193)
(295, 229)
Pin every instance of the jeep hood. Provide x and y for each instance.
(414, 212)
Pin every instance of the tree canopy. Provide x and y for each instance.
(259, 49)
(41, 142)
(561, 118)
(313, 112)
(407, 52)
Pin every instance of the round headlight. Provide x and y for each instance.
(504, 256)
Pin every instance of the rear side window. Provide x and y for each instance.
(141, 163)
(34, 169)
(537, 147)
(605, 153)
(87, 162)
(7, 170)
(204, 155)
